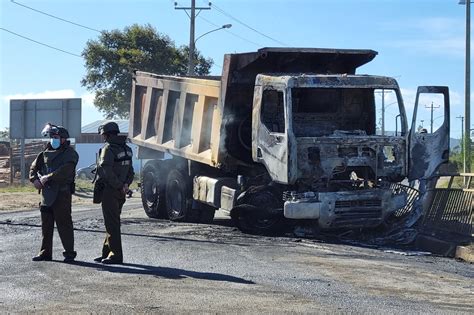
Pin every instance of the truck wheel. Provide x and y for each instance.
(178, 203)
(153, 191)
(259, 214)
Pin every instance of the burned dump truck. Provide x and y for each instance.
(283, 133)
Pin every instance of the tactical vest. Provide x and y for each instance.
(52, 160)
(122, 159)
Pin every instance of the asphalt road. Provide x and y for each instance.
(188, 268)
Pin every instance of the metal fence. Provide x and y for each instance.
(451, 209)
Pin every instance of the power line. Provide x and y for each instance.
(55, 17)
(40, 43)
(247, 26)
(230, 32)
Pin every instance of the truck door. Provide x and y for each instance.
(429, 133)
(270, 145)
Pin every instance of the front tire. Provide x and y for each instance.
(259, 213)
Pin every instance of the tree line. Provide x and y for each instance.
(111, 59)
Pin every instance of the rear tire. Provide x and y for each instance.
(178, 203)
(153, 191)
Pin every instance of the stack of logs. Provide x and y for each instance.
(10, 160)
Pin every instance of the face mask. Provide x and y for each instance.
(55, 143)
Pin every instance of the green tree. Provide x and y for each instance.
(112, 58)
(5, 134)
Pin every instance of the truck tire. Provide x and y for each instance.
(259, 214)
(178, 193)
(153, 191)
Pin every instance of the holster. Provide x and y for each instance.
(98, 191)
(46, 209)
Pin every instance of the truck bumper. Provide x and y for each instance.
(347, 209)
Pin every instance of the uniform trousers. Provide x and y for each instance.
(112, 202)
(59, 212)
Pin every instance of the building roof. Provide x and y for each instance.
(94, 126)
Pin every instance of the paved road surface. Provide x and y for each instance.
(189, 268)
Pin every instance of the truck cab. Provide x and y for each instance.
(324, 137)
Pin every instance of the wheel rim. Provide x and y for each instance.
(176, 199)
(151, 190)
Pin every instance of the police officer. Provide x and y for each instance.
(52, 173)
(114, 176)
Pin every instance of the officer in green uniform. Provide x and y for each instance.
(114, 176)
(52, 173)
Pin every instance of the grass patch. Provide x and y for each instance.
(18, 188)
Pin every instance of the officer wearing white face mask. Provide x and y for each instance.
(52, 173)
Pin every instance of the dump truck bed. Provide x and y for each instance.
(177, 115)
(204, 119)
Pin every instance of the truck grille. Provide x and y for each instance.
(357, 213)
(358, 203)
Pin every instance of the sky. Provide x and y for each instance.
(419, 42)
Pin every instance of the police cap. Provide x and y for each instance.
(110, 127)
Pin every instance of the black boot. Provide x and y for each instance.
(69, 256)
(42, 257)
(98, 259)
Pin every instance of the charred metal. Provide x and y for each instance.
(283, 133)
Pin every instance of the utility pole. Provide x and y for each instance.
(462, 126)
(432, 107)
(383, 92)
(467, 105)
(383, 112)
(462, 135)
(192, 17)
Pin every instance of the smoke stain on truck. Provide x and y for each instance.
(283, 133)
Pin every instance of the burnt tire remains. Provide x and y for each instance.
(259, 213)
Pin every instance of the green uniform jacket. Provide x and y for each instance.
(114, 167)
(60, 166)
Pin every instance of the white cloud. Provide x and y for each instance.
(89, 112)
(46, 94)
(409, 96)
(439, 25)
(448, 46)
(88, 100)
(430, 35)
(456, 98)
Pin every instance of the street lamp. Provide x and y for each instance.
(192, 47)
(217, 29)
(467, 102)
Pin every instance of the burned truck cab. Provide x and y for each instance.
(337, 141)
